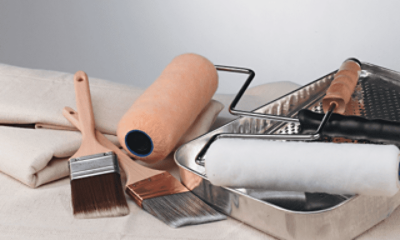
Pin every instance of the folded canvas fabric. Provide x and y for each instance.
(38, 156)
(37, 97)
(30, 96)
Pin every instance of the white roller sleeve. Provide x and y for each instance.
(336, 168)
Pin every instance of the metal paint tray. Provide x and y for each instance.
(295, 215)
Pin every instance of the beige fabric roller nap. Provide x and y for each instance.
(153, 125)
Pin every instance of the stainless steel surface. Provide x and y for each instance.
(92, 165)
(342, 217)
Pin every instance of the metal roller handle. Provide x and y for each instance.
(239, 95)
(299, 137)
(339, 92)
(352, 127)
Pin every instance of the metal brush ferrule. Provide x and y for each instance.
(156, 186)
(92, 165)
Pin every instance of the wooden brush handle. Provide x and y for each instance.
(342, 87)
(89, 144)
(84, 105)
(134, 171)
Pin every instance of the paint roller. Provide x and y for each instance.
(310, 166)
(332, 123)
(156, 121)
(353, 127)
(335, 168)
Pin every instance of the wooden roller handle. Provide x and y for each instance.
(342, 86)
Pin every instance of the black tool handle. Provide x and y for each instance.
(352, 127)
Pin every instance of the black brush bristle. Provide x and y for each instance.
(98, 196)
(181, 209)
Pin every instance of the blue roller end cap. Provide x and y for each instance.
(139, 143)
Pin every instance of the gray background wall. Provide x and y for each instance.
(132, 41)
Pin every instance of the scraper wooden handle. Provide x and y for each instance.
(342, 87)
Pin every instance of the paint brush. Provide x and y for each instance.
(157, 192)
(96, 188)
